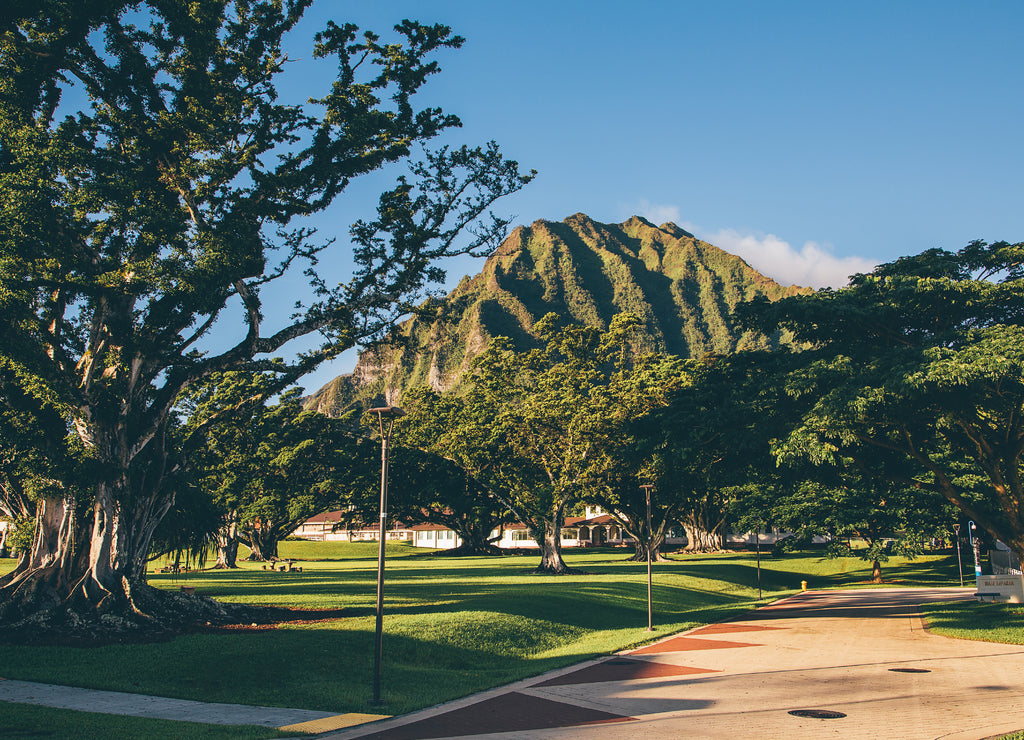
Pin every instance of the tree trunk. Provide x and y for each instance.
(700, 539)
(550, 543)
(640, 556)
(876, 571)
(262, 541)
(227, 553)
(86, 577)
(46, 574)
(476, 539)
(227, 545)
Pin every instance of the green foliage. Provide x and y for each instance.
(530, 426)
(915, 373)
(156, 181)
(273, 467)
(20, 538)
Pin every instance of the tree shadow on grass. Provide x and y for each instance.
(328, 668)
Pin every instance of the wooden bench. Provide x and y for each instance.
(991, 596)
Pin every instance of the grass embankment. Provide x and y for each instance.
(452, 625)
(970, 620)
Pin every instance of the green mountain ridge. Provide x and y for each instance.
(683, 289)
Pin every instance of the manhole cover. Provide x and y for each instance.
(909, 670)
(817, 713)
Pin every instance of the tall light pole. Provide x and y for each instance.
(650, 541)
(976, 549)
(757, 535)
(389, 413)
(959, 562)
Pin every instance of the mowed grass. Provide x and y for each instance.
(971, 620)
(452, 625)
(25, 721)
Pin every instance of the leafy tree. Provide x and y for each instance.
(708, 436)
(636, 451)
(915, 372)
(528, 425)
(268, 472)
(843, 504)
(155, 188)
(428, 487)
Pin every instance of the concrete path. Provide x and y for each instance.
(858, 662)
(155, 707)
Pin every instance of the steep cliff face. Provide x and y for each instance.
(683, 289)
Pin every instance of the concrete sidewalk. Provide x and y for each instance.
(156, 707)
(859, 663)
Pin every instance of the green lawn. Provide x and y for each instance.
(971, 620)
(452, 626)
(24, 721)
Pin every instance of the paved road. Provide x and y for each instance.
(862, 654)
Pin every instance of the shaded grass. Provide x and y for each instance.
(972, 620)
(453, 625)
(23, 721)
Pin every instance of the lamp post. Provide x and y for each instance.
(650, 541)
(959, 561)
(757, 541)
(389, 413)
(976, 549)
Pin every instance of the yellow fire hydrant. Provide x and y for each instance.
(803, 585)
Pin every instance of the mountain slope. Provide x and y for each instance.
(683, 289)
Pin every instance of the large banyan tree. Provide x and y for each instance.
(155, 193)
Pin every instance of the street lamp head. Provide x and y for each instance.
(388, 412)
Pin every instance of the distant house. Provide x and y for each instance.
(434, 536)
(594, 529)
(329, 526)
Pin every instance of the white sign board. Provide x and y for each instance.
(1007, 588)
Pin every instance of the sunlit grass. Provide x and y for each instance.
(972, 620)
(453, 625)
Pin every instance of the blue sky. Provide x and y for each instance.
(814, 139)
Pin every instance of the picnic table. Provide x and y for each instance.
(284, 566)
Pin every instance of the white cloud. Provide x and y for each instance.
(655, 213)
(813, 265)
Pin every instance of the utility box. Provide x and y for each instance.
(1008, 588)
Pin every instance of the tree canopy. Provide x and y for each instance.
(915, 373)
(155, 184)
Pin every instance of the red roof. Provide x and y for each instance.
(430, 528)
(328, 517)
(333, 517)
(576, 521)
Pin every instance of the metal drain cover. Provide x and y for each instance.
(816, 713)
(909, 670)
